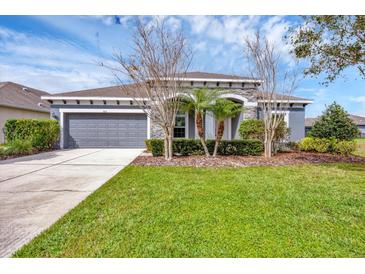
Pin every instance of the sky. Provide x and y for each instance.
(63, 53)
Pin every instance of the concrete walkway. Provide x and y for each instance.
(37, 190)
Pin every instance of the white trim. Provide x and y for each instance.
(187, 124)
(88, 110)
(148, 127)
(218, 80)
(240, 98)
(100, 110)
(96, 98)
(61, 130)
(288, 101)
(286, 115)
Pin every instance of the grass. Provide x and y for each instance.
(360, 151)
(297, 211)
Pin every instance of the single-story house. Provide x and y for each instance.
(105, 117)
(18, 101)
(358, 120)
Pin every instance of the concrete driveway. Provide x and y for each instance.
(37, 190)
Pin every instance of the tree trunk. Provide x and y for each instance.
(268, 145)
(200, 128)
(168, 144)
(218, 137)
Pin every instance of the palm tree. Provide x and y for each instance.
(223, 109)
(200, 100)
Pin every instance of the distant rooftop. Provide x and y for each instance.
(19, 96)
(358, 120)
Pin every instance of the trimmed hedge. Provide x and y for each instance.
(186, 147)
(42, 133)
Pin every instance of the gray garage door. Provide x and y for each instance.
(120, 130)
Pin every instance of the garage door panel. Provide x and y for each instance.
(106, 130)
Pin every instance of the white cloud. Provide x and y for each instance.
(173, 23)
(233, 30)
(49, 64)
(201, 46)
(360, 100)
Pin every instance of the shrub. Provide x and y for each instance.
(293, 145)
(252, 129)
(18, 147)
(42, 133)
(255, 129)
(238, 147)
(187, 147)
(157, 147)
(334, 123)
(344, 147)
(148, 145)
(316, 144)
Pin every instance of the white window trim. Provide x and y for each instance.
(286, 115)
(186, 116)
(103, 110)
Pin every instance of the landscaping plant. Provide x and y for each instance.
(277, 84)
(255, 129)
(43, 134)
(200, 100)
(324, 145)
(222, 110)
(158, 60)
(186, 147)
(334, 123)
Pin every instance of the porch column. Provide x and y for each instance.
(209, 125)
(236, 134)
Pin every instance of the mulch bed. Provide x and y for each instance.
(281, 159)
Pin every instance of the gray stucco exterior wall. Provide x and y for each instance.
(296, 124)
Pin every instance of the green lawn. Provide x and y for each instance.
(298, 211)
(360, 151)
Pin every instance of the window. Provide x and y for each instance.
(180, 125)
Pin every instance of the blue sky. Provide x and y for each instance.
(61, 53)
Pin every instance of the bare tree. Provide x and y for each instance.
(158, 62)
(273, 94)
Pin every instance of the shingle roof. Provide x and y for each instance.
(358, 120)
(114, 91)
(285, 97)
(208, 75)
(19, 96)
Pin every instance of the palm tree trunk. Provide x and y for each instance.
(199, 126)
(218, 137)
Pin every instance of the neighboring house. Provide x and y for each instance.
(18, 101)
(358, 120)
(106, 117)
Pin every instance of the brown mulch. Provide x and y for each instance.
(281, 159)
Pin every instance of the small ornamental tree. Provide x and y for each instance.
(223, 109)
(255, 129)
(334, 123)
(200, 100)
(252, 129)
